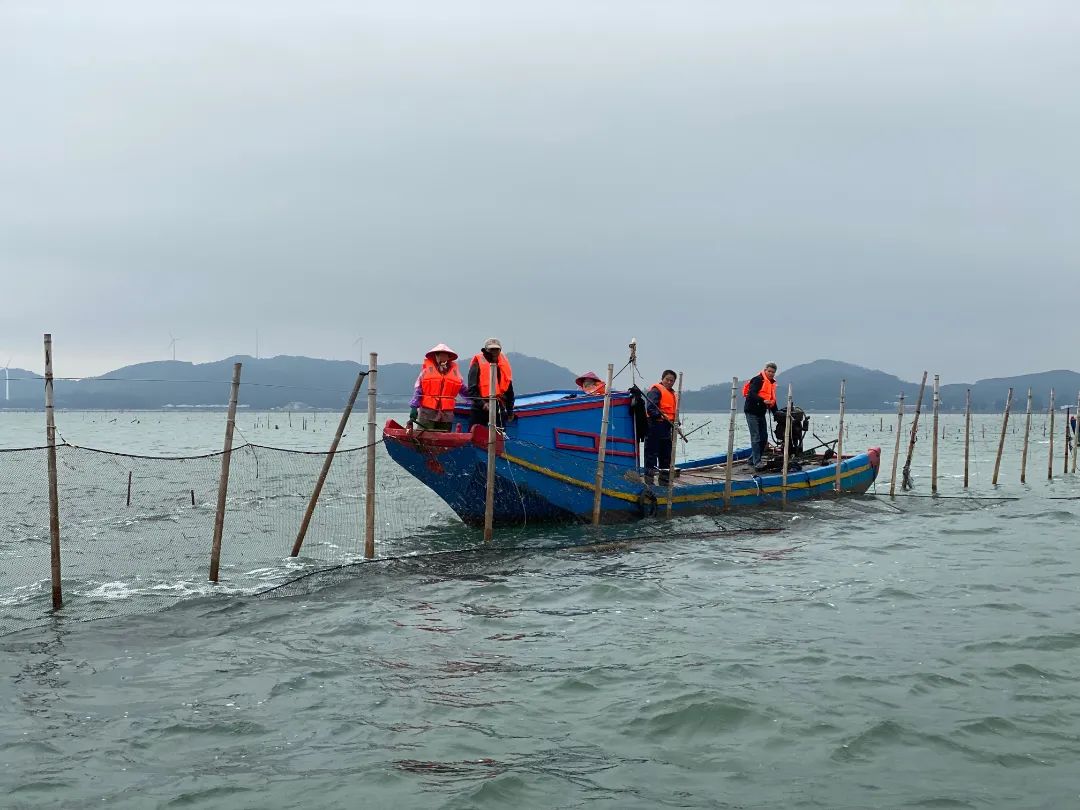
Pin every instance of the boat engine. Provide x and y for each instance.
(800, 426)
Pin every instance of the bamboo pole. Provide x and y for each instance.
(489, 499)
(601, 451)
(1076, 435)
(129, 489)
(223, 482)
(1050, 457)
(1001, 441)
(369, 470)
(787, 451)
(896, 450)
(934, 443)
(906, 483)
(840, 440)
(1065, 444)
(1027, 434)
(967, 437)
(674, 446)
(54, 491)
(314, 499)
(729, 463)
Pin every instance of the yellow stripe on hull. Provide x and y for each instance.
(703, 496)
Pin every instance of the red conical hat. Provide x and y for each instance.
(442, 347)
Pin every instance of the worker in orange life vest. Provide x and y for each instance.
(662, 406)
(760, 394)
(437, 387)
(479, 380)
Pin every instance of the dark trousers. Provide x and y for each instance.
(658, 447)
(759, 436)
(479, 415)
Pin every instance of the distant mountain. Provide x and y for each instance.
(990, 395)
(306, 382)
(275, 382)
(816, 387)
(24, 387)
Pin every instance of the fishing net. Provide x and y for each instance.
(136, 532)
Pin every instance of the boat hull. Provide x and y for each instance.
(536, 483)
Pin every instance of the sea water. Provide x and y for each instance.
(915, 652)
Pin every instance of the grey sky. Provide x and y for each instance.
(895, 184)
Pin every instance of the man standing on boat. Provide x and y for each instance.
(436, 390)
(760, 394)
(479, 385)
(662, 405)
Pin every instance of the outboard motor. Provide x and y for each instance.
(800, 426)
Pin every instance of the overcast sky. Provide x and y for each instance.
(894, 184)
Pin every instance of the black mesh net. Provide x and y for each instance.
(137, 531)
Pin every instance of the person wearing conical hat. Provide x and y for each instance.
(479, 381)
(591, 384)
(437, 388)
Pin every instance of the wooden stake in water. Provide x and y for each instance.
(840, 439)
(1027, 434)
(129, 489)
(601, 451)
(1001, 441)
(1050, 458)
(729, 463)
(54, 492)
(674, 446)
(934, 443)
(967, 436)
(493, 406)
(896, 450)
(1076, 434)
(906, 482)
(1065, 467)
(223, 482)
(369, 472)
(314, 499)
(787, 451)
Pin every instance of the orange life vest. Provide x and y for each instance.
(504, 376)
(768, 390)
(437, 390)
(669, 403)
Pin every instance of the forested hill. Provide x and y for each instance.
(274, 382)
(816, 387)
(306, 382)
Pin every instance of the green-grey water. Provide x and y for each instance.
(916, 653)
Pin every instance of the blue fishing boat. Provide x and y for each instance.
(546, 462)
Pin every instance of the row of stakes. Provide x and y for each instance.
(372, 373)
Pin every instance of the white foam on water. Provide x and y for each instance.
(110, 591)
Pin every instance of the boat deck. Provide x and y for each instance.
(740, 471)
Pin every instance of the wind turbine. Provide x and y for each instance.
(360, 340)
(172, 344)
